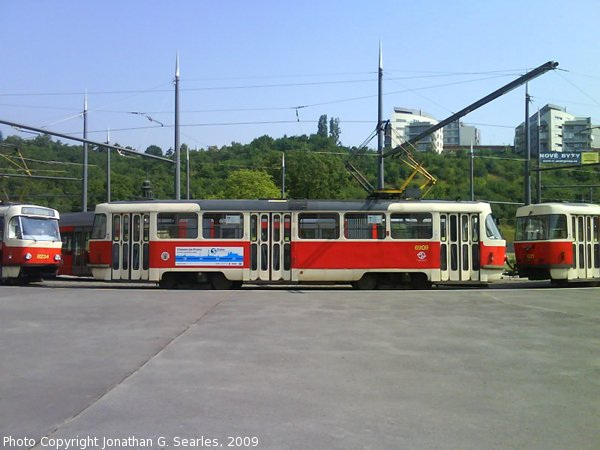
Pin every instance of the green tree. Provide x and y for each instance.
(154, 150)
(250, 184)
(322, 126)
(334, 130)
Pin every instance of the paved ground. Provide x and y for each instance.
(299, 368)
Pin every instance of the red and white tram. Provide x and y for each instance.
(370, 243)
(30, 244)
(558, 241)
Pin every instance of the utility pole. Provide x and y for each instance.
(108, 167)
(527, 174)
(187, 172)
(380, 137)
(84, 194)
(283, 174)
(539, 159)
(177, 156)
(471, 176)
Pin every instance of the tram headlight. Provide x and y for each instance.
(57, 258)
(28, 256)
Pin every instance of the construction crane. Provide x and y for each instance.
(404, 148)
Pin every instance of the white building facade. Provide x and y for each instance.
(558, 131)
(407, 123)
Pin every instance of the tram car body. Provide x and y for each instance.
(558, 242)
(75, 231)
(30, 244)
(226, 243)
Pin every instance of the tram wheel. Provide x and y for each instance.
(366, 283)
(420, 281)
(168, 281)
(220, 282)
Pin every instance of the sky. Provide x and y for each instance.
(249, 69)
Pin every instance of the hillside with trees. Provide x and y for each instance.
(314, 170)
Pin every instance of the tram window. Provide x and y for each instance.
(136, 228)
(475, 228)
(264, 227)
(464, 222)
(596, 228)
(14, 228)
(443, 227)
(547, 226)
(1, 228)
(364, 226)
(253, 227)
(276, 228)
(67, 242)
(146, 228)
(116, 228)
(287, 228)
(99, 227)
(491, 230)
(318, 226)
(222, 226)
(177, 226)
(126, 228)
(411, 226)
(557, 226)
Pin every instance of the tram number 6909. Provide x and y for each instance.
(422, 247)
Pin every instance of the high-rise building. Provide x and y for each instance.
(558, 131)
(457, 133)
(407, 123)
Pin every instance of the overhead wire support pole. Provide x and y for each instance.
(471, 184)
(187, 172)
(539, 159)
(380, 137)
(108, 166)
(177, 155)
(527, 174)
(84, 193)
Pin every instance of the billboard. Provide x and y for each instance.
(561, 157)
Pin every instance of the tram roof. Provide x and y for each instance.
(558, 208)
(77, 219)
(27, 209)
(292, 205)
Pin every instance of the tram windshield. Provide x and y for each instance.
(491, 229)
(542, 227)
(34, 228)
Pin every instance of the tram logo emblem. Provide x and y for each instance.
(422, 256)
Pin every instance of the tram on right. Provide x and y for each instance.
(558, 242)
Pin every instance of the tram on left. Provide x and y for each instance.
(30, 242)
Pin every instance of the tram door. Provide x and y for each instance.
(270, 246)
(585, 246)
(459, 258)
(130, 233)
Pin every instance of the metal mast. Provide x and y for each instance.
(108, 166)
(380, 137)
(527, 174)
(177, 155)
(84, 194)
(539, 161)
(187, 172)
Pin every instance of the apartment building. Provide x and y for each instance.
(558, 131)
